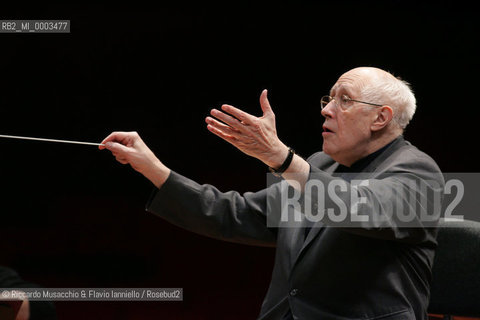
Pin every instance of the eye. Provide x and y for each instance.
(345, 99)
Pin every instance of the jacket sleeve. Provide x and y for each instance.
(205, 210)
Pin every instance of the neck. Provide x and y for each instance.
(368, 147)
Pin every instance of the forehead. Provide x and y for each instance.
(349, 83)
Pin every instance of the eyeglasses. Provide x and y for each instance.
(344, 102)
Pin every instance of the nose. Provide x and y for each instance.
(327, 112)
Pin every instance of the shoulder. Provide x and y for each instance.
(408, 156)
(408, 161)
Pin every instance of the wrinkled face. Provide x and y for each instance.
(346, 132)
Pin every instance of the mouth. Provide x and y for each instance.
(326, 130)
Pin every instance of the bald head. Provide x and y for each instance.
(369, 72)
(381, 87)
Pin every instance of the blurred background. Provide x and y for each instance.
(71, 216)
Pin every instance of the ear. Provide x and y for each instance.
(383, 118)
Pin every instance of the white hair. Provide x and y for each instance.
(394, 92)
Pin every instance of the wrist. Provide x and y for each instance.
(278, 157)
(278, 171)
(157, 174)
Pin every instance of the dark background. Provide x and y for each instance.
(71, 216)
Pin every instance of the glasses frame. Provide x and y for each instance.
(330, 98)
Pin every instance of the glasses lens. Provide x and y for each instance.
(345, 102)
(324, 101)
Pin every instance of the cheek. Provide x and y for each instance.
(353, 126)
(346, 127)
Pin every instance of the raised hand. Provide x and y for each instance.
(255, 136)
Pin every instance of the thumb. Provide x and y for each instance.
(117, 147)
(264, 104)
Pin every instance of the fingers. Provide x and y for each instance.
(222, 127)
(111, 137)
(119, 136)
(231, 121)
(265, 104)
(229, 138)
(115, 136)
(117, 148)
(244, 117)
(239, 114)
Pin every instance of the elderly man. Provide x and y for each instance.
(379, 270)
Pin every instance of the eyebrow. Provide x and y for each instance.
(341, 88)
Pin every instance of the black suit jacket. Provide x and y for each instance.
(380, 272)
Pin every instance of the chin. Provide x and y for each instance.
(326, 149)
